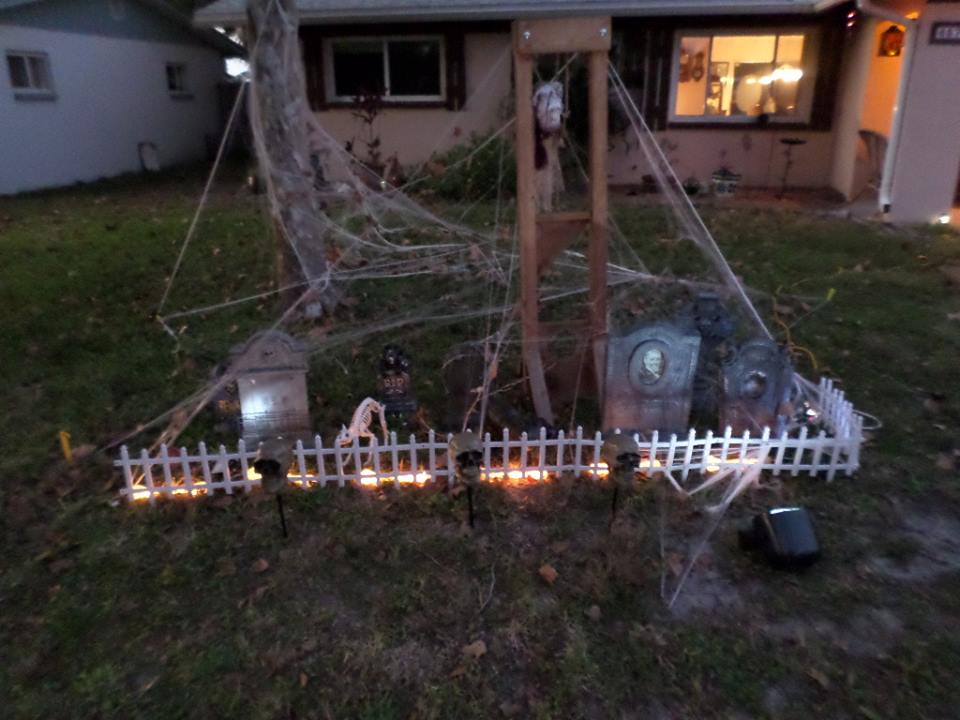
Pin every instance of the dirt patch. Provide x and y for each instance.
(933, 542)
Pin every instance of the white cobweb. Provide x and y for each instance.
(372, 241)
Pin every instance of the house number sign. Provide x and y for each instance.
(945, 33)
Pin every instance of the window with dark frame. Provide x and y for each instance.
(30, 74)
(177, 78)
(400, 69)
(741, 76)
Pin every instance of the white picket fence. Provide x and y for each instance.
(176, 472)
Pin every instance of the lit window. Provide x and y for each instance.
(738, 77)
(30, 74)
(176, 78)
(402, 69)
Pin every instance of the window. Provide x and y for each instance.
(177, 79)
(30, 74)
(738, 77)
(401, 69)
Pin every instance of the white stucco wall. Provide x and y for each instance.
(413, 134)
(111, 94)
(928, 161)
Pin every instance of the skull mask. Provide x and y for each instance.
(622, 455)
(466, 450)
(548, 104)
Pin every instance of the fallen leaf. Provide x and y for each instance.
(458, 671)
(509, 708)
(261, 565)
(593, 612)
(304, 679)
(822, 680)
(946, 462)
(549, 573)
(475, 650)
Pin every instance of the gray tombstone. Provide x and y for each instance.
(756, 384)
(649, 382)
(271, 369)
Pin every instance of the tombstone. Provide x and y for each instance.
(709, 317)
(271, 370)
(756, 385)
(394, 387)
(649, 382)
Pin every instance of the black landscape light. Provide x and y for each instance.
(272, 462)
(785, 535)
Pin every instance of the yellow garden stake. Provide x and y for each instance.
(65, 446)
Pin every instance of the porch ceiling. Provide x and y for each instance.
(233, 12)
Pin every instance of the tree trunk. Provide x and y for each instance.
(278, 108)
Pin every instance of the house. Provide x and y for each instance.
(95, 88)
(859, 97)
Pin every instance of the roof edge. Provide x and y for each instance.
(507, 11)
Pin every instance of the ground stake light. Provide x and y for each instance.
(621, 453)
(272, 461)
(466, 452)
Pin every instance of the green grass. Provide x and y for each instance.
(363, 613)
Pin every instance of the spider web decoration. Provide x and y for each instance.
(379, 266)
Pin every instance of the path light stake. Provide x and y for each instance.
(466, 452)
(621, 453)
(272, 461)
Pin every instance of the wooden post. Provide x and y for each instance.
(589, 35)
(599, 212)
(527, 228)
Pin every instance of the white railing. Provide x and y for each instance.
(176, 472)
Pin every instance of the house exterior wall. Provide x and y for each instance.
(110, 95)
(928, 160)
(415, 133)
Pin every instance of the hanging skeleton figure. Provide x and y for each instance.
(548, 122)
(360, 424)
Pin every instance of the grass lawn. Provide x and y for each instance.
(375, 605)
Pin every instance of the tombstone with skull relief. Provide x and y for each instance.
(649, 383)
(271, 370)
(756, 385)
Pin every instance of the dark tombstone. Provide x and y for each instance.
(709, 317)
(394, 386)
(649, 383)
(756, 385)
(271, 370)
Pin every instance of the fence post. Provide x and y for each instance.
(486, 457)
(432, 455)
(414, 467)
(205, 467)
(578, 451)
(321, 462)
(244, 465)
(187, 471)
(798, 453)
(225, 468)
(688, 454)
(148, 474)
(127, 472)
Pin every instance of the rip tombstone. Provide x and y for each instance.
(271, 369)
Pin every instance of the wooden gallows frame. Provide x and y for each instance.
(543, 236)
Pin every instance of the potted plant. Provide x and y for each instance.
(725, 180)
